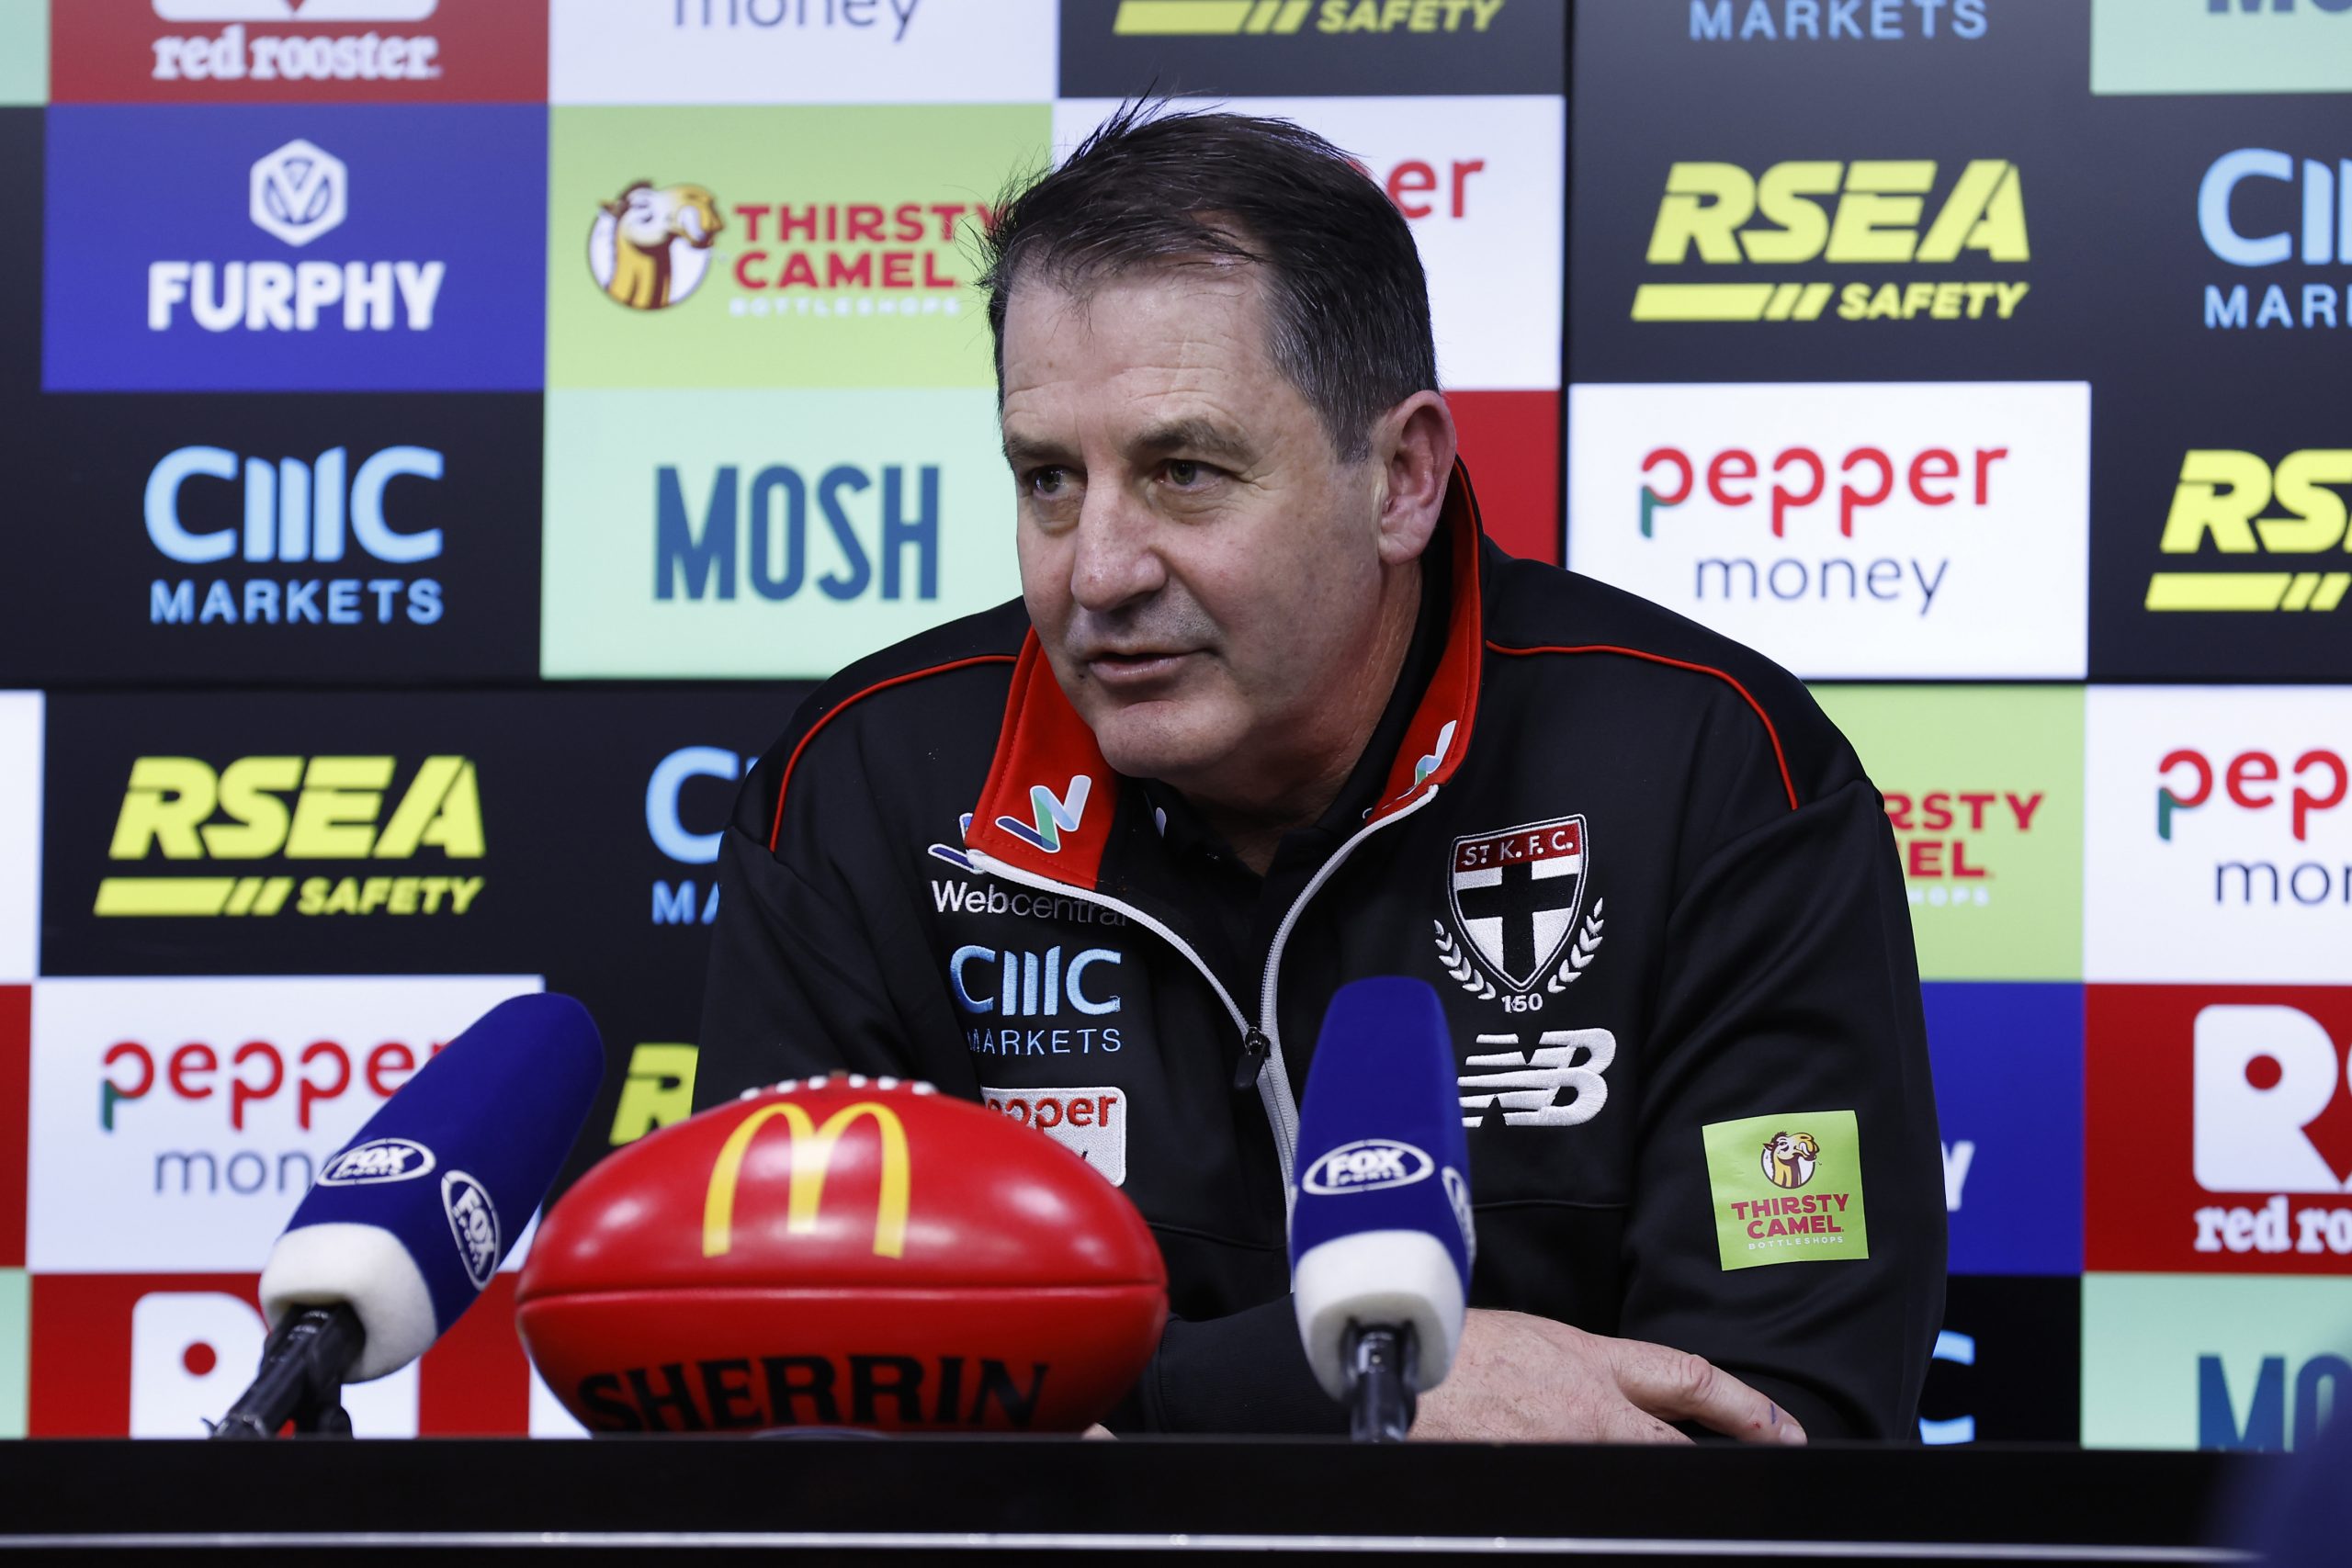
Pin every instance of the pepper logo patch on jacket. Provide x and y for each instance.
(1090, 1122)
(1517, 899)
(1787, 1189)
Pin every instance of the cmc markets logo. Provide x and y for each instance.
(292, 512)
(229, 55)
(684, 904)
(1904, 214)
(2271, 789)
(2272, 1115)
(1259, 18)
(1064, 987)
(300, 193)
(2262, 210)
(766, 526)
(2266, 561)
(1816, 21)
(650, 247)
(289, 810)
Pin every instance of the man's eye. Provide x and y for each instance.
(1048, 483)
(1183, 473)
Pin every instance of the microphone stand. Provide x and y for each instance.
(1381, 1362)
(300, 1378)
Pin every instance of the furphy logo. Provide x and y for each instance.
(650, 247)
(1368, 1165)
(293, 511)
(177, 1122)
(2305, 219)
(1883, 212)
(318, 248)
(2216, 511)
(2217, 842)
(664, 797)
(1881, 530)
(1246, 18)
(1090, 1122)
(293, 810)
(1814, 21)
(2219, 1130)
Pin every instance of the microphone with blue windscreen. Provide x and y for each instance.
(409, 1221)
(1381, 1239)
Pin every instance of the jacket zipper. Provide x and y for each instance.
(1262, 1042)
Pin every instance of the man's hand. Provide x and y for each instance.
(1525, 1378)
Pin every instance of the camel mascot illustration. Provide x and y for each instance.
(1788, 1156)
(647, 219)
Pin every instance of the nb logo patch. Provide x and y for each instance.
(1558, 1084)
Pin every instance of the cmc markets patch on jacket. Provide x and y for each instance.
(278, 539)
(2006, 1367)
(293, 834)
(1118, 48)
(314, 248)
(2220, 1131)
(232, 51)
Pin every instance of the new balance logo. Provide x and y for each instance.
(1556, 1085)
(1057, 815)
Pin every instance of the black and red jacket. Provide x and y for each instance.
(1649, 878)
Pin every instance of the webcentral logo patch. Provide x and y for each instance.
(2219, 509)
(1907, 214)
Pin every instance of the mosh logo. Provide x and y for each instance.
(768, 533)
(1368, 1165)
(1832, 20)
(2187, 779)
(2322, 1385)
(300, 193)
(182, 809)
(679, 905)
(2218, 499)
(376, 1160)
(293, 511)
(650, 247)
(1868, 212)
(2315, 231)
(1263, 19)
(473, 1224)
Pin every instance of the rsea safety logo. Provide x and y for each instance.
(1861, 530)
(717, 534)
(1837, 21)
(2263, 210)
(387, 837)
(1926, 232)
(774, 246)
(2218, 833)
(1984, 789)
(2247, 534)
(2008, 1079)
(2184, 1362)
(177, 1122)
(1344, 47)
(2220, 1131)
(314, 249)
(2221, 46)
(294, 512)
(254, 51)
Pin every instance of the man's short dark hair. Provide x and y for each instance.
(1151, 188)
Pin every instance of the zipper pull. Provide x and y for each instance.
(1254, 1046)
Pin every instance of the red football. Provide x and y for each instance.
(846, 1253)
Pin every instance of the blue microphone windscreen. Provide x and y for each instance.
(456, 1161)
(1380, 1139)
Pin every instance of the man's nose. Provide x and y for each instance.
(1117, 559)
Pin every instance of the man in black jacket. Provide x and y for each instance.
(1272, 715)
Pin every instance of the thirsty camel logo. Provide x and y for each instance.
(1788, 1159)
(651, 245)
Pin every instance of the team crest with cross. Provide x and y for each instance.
(1517, 898)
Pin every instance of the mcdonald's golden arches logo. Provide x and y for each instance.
(812, 1156)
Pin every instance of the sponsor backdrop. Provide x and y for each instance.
(455, 434)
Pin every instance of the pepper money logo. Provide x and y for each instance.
(650, 246)
(1870, 212)
(294, 810)
(2217, 506)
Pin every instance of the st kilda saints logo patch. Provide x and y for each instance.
(1520, 932)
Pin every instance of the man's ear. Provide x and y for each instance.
(1414, 445)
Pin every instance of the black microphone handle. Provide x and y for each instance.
(300, 1378)
(1381, 1362)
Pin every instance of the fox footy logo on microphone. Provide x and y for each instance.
(1368, 1165)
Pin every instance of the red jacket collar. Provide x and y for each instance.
(1047, 805)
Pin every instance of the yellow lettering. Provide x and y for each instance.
(334, 817)
(658, 1091)
(1784, 196)
(247, 787)
(2218, 493)
(2317, 523)
(812, 1153)
(1713, 224)
(1985, 212)
(167, 796)
(1874, 222)
(443, 808)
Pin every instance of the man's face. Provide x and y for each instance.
(1202, 569)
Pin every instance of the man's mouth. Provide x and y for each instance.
(1122, 670)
